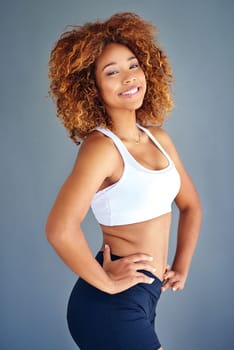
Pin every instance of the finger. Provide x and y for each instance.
(165, 286)
(128, 282)
(142, 278)
(139, 257)
(106, 254)
(177, 286)
(144, 266)
(168, 275)
(169, 282)
(167, 269)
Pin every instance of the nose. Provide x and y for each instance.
(128, 78)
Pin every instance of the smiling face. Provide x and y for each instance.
(120, 79)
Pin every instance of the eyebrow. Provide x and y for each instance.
(113, 63)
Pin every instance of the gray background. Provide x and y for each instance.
(36, 157)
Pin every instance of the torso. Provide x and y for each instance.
(151, 236)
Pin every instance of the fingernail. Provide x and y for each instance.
(106, 246)
(151, 258)
(174, 289)
(151, 280)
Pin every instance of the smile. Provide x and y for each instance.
(130, 92)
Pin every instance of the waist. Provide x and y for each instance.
(150, 237)
(142, 235)
(99, 258)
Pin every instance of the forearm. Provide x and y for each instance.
(73, 249)
(188, 233)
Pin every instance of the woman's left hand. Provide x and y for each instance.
(173, 279)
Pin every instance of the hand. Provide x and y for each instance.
(124, 271)
(173, 279)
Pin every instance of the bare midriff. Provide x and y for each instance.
(149, 237)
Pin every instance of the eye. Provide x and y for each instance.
(111, 73)
(134, 66)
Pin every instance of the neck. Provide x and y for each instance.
(124, 125)
(128, 131)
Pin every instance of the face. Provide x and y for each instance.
(120, 79)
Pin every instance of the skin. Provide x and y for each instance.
(143, 245)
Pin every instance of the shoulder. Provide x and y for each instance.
(158, 131)
(163, 138)
(97, 151)
(97, 143)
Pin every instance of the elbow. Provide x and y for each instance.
(197, 214)
(60, 231)
(192, 210)
(50, 232)
(197, 208)
(191, 206)
(54, 233)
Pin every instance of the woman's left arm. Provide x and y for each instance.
(190, 214)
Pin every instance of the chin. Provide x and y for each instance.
(134, 106)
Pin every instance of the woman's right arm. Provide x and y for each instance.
(94, 164)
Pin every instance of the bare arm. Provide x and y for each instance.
(95, 163)
(189, 207)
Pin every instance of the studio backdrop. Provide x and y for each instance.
(37, 156)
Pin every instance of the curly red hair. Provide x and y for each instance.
(72, 72)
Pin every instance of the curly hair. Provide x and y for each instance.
(72, 72)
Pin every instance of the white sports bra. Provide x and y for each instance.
(140, 194)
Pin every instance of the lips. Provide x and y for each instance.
(130, 92)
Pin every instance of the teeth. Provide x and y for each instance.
(130, 92)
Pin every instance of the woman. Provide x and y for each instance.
(112, 86)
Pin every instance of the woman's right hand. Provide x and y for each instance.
(124, 272)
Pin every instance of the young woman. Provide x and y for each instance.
(112, 86)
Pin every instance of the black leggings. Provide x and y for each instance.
(123, 321)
